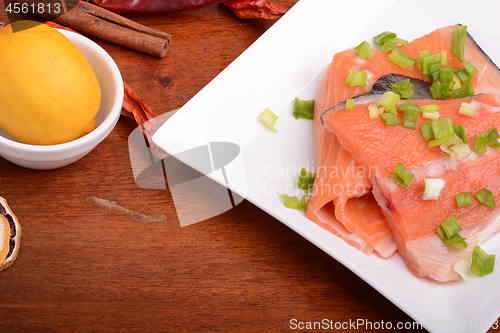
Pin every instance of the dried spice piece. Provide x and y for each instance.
(136, 109)
(256, 9)
(7, 215)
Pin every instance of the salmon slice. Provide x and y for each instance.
(346, 203)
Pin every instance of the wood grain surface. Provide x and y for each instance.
(85, 267)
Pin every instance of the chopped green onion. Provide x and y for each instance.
(388, 101)
(390, 119)
(451, 226)
(467, 109)
(432, 188)
(486, 198)
(470, 69)
(457, 82)
(436, 90)
(459, 93)
(460, 150)
(303, 109)
(403, 89)
(427, 132)
(411, 113)
(291, 202)
(446, 75)
(443, 132)
(429, 108)
(460, 132)
(268, 118)
(488, 137)
(458, 41)
(402, 176)
(421, 55)
(463, 199)
(463, 267)
(364, 50)
(434, 69)
(480, 144)
(374, 111)
(444, 57)
(383, 37)
(349, 104)
(482, 263)
(463, 76)
(306, 180)
(431, 115)
(448, 231)
(356, 78)
(303, 202)
(401, 59)
(469, 89)
(456, 240)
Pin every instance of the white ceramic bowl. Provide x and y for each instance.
(56, 156)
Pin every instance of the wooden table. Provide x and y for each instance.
(85, 268)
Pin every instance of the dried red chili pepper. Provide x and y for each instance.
(252, 9)
(139, 111)
(242, 8)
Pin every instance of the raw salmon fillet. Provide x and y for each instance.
(353, 195)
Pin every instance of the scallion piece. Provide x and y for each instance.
(303, 109)
(463, 199)
(463, 76)
(432, 188)
(480, 144)
(469, 89)
(411, 113)
(373, 111)
(463, 267)
(460, 132)
(268, 118)
(467, 109)
(388, 101)
(491, 135)
(291, 202)
(401, 59)
(429, 108)
(402, 176)
(459, 93)
(437, 90)
(448, 231)
(444, 57)
(421, 55)
(356, 78)
(451, 226)
(349, 104)
(306, 180)
(390, 119)
(304, 201)
(470, 69)
(427, 132)
(443, 131)
(486, 198)
(364, 50)
(460, 150)
(458, 41)
(431, 115)
(482, 263)
(456, 240)
(383, 37)
(403, 89)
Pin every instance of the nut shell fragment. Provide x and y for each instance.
(15, 234)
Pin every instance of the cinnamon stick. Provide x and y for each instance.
(102, 23)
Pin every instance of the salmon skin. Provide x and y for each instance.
(360, 203)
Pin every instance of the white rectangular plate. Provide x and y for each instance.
(289, 61)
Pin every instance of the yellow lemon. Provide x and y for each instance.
(49, 93)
